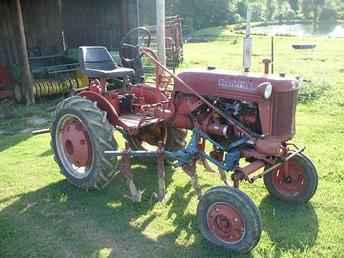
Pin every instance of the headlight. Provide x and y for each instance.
(268, 91)
(265, 90)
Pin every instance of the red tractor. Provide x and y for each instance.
(242, 116)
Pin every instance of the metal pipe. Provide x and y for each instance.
(41, 131)
(132, 153)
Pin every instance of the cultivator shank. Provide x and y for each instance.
(226, 160)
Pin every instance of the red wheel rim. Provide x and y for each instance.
(74, 146)
(291, 183)
(225, 222)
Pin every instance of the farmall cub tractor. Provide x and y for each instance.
(242, 116)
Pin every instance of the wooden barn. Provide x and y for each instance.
(33, 28)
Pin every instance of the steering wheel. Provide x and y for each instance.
(142, 38)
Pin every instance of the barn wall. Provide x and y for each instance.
(97, 22)
(85, 22)
(41, 28)
(8, 51)
(132, 14)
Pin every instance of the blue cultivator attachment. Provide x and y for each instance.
(185, 158)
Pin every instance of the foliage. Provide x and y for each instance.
(311, 91)
(284, 11)
(241, 7)
(307, 8)
(294, 5)
(200, 14)
(328, 15)
(270, 9)
(257, 11)
(322, 11)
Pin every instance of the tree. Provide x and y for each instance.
(312, 8)
(257, 11)
(328, 15)
(270, 9)
(294, 5)
(317, 5)
(281, 6)
(307, 8)
(204, 13)
(241, 7)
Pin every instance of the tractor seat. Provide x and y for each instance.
(97, 62)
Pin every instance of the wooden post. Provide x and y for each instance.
(160, 17)
(26, 77)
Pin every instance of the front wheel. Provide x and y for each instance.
(229, 218)
(298, 185)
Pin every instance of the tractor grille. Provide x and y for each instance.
(283, 114)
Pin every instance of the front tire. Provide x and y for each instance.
(298, 186)
(229, 218)
(80, 134)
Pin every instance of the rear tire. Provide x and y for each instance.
(229, 218)
(299, 186)
(93, 170)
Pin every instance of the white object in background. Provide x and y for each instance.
(247, 48)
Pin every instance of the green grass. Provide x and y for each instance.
(41, 215)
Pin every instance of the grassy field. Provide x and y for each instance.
(41, 215)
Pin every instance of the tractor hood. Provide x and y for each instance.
(232, 85)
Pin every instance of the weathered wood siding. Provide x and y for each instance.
(84, 22)
(98, 22)
(8, 40)
(92, 22)
(42, 29)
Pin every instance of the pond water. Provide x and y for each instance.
(301, 30)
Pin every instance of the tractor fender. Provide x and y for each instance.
(103, 104)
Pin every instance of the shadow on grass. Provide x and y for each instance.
(47, 153)
(60, 220)
(289, 226)
(8, 141)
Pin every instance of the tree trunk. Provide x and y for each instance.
(26, 77)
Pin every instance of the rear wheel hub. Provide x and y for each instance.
(74, 145)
